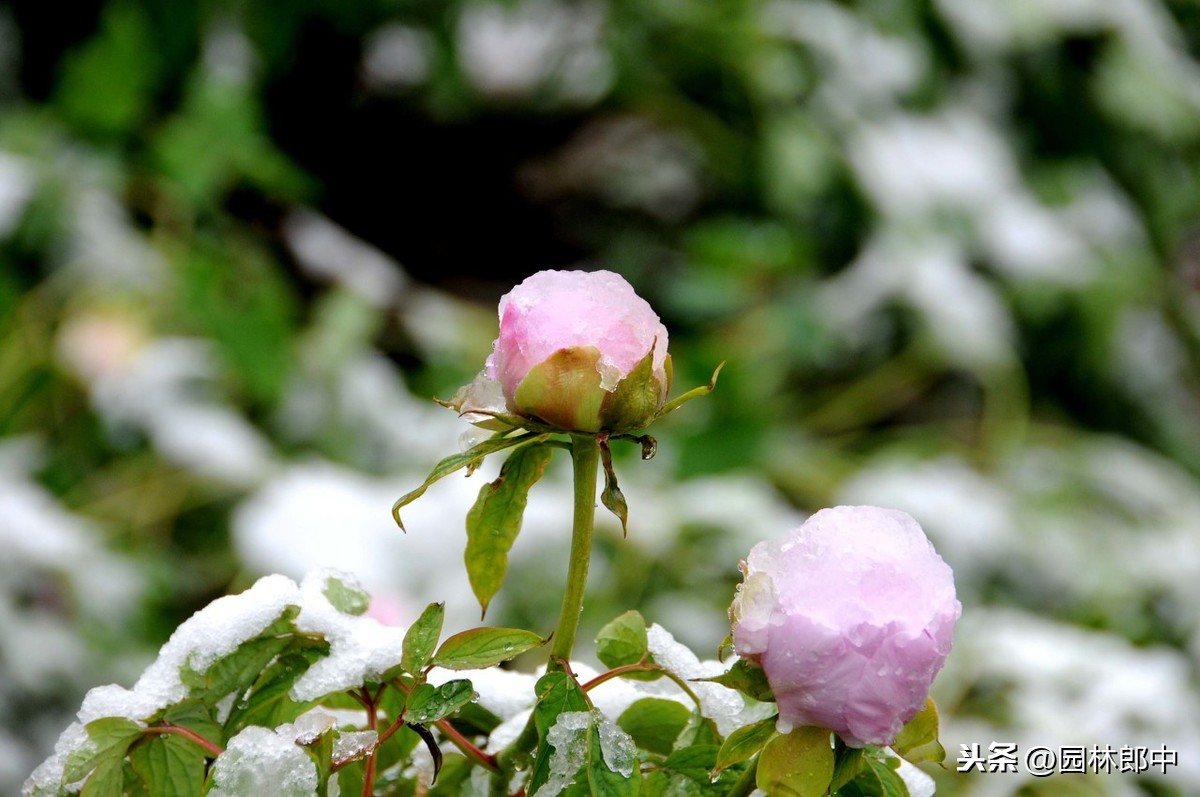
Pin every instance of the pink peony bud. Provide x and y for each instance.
(850, 616)
(580, 351)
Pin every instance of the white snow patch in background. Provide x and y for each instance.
(1064, 686)
(17, 182)
(397, 56)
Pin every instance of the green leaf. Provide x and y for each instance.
(194, 715)
(107, 780)
(695, 761)
(635, 399)
(428, 704)
(654, 723)
(918, 740)
(602, 781)
(495, 520)
(623, 640)
(170, 766)
(484, 647)
(557, 693)
(321, 752)
(346, 598)
(747, 678)
(268, 702)
(875, 779)
(848, 763)
(744, 743)
(695, 392)
(241, 668)
(612, 497)
(108, 739)
(797, 764)
(421, 638)
(469, 459)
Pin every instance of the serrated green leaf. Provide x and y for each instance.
(875, 779)
(428, 703)
(467, 459)
(744, 743)
(623, 640)
(484, 647)
(654, 723)
(746, 678)
(108, 738)
(695, 761)
(107, 779)
(495, 520)
(612, 497)
(798, 764)
(170, 766)
(421, 638)
(918, 740)
(346, 598)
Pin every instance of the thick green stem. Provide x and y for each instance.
(585, 457)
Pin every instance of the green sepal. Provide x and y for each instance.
(495, 520)
(747, 678)
(875, 778)
(744, 743)
(612, 497)
(421, 638)
(478, 648)
(470, 459)
(695, 392)
(634, 401)
(918, 740)
(564, 390)
(428, 704)
(799, 763)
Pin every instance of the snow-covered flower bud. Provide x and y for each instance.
(580, 351)
(850, 616)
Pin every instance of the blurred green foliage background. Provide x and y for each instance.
(950, 250)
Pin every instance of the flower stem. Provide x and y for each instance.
(585, 456)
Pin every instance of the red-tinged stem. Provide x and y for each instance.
(373, 724)
(487, 760)
(617, 672)
(213, 750)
